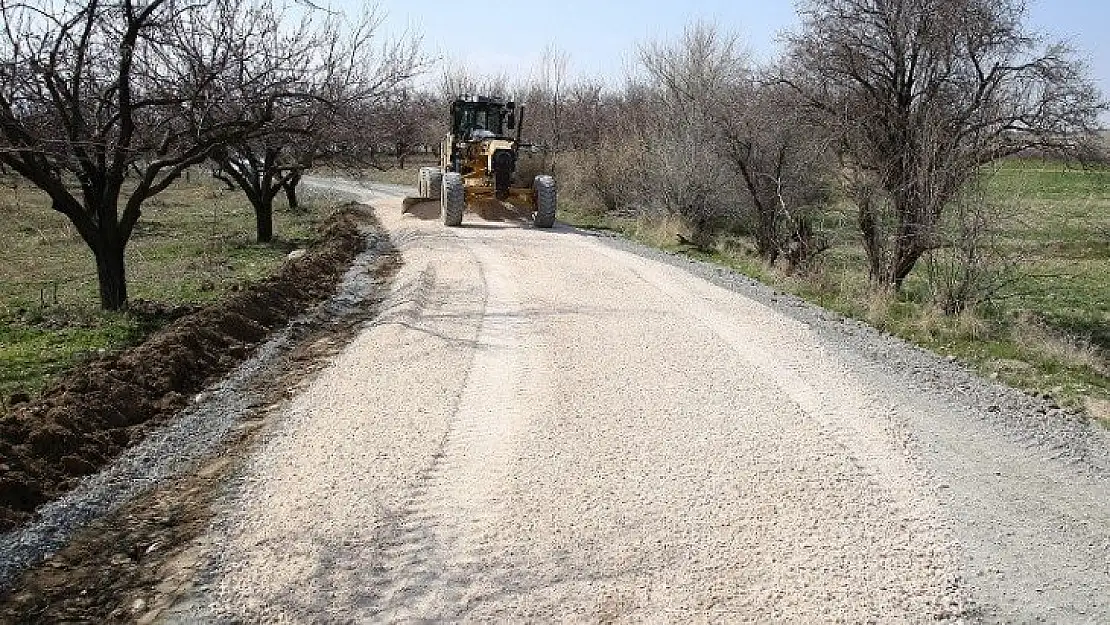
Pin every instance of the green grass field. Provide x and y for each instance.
(1047, 329)
(1060, 230)
(193, 244)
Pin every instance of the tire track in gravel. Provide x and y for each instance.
(1026, 525)
(823, 388)
(446, 528)
(302, 531)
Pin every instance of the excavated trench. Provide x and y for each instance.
(108, 476)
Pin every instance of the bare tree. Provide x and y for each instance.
(543, 96)
(411, 120)
(778, 160)
(921, 94)
(583, 115)
(104, 104)
(601, 128)
(337, 73)
(458, 79)
(669, 163)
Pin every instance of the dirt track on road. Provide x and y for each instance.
(543, 426)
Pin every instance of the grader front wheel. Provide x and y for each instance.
(545, 201)
(453, 199)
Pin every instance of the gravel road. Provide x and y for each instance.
(553, 426)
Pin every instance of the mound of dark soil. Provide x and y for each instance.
(92, 414)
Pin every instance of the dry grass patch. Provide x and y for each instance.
(662, 231)
(1067, 350)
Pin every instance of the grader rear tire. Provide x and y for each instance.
(545, 197)
(453, 199)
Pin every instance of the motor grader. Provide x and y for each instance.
(480, 161)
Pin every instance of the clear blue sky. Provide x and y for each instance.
(600, 36)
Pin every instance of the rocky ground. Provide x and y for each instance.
(549, 426)
(500, 423)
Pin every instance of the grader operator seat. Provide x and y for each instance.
(473, 113)
(480, 133)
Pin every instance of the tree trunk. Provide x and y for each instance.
(111, 275)
(767, 239)
(908, 241)
(264, 219)
(872, 243)
(291, 191)
(903, 264)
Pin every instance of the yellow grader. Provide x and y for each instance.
(480, 161)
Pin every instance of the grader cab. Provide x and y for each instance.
(482, 159)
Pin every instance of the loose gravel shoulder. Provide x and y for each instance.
(553, 426)
(1024, 482)
(1070, 437)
